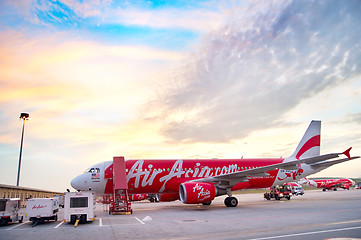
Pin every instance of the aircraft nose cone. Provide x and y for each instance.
(76, 183)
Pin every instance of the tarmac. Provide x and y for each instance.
(315, 215)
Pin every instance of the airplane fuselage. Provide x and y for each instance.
(165, 176)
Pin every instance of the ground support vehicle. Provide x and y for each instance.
(297, 191)
(42, 209)
(10, 211)
(278, 192)
(120, 203)
(79, 207)
(296, 188)
(61, 200)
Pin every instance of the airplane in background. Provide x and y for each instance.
(196, 181)
(328, 184)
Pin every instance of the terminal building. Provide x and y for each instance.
(24, 193)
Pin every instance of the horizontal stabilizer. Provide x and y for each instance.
(332, 162)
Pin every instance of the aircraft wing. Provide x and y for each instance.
(231, 179)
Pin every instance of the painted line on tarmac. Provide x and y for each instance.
(17, 225)
(139, 220)
(307, 233)
(100, 222)
(352, 221)
(59, 224)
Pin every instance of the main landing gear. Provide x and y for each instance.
(231, 201)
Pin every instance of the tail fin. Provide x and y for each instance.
(305, 181)
(309, 145)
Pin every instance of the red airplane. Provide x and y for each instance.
(329, 184)
(196, 181)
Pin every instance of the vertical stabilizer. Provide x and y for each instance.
(309, 145)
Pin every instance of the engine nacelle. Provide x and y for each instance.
(194, 192)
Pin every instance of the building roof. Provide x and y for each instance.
(26, 188)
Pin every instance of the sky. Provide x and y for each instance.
(174, 79)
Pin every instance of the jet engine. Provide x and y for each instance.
(194, 192)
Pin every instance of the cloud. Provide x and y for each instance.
(139, 14)
(88, 8)
(198, 20)
(74, 86)
(246, 75)
(83, 97)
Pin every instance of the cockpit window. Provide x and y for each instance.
(94, 170)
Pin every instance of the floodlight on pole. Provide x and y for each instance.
(24, 117)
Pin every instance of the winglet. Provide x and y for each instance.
(347, 153)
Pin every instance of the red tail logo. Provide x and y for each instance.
(312, 142)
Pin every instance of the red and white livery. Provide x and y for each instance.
(201, 180)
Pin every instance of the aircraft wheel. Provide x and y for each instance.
(3, 222)
(231, 201)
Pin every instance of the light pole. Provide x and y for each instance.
(24, 117)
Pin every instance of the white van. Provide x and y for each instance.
(10, 211)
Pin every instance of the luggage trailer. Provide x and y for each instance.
(40, 209)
